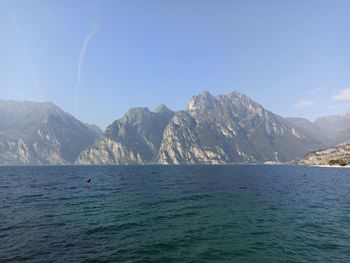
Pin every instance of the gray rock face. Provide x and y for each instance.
(40, 134)
(133, 139)
(322, 157)
(213, 129)
(230, 128)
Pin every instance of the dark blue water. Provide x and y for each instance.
(174, 214)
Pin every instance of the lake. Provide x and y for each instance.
(238, 213)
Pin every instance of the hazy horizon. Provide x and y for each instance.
(292, 57)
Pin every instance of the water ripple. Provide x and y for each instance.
(174, 214)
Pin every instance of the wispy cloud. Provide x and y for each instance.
(343, 94)
(82, 53)
(303, 103)
(318, 90)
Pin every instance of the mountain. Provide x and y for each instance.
(94, 129)
(342, 137)
(333, 124)
(133, 139)
(332, 130)
(228, 128)
(40, 134)
(327, 156)
(336, 127)
(311, 129)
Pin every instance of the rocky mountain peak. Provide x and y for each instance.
(135, 138)
(201, 103)
(40, 133)
(164, 110)
(226, 128)
(243, 105)
(229, 128)
(137, 111)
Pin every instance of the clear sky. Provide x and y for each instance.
(96, 59)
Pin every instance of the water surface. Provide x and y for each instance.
(174, 214)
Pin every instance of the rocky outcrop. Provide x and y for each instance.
(229, 128)
(327, 156)
(40, 134)
(107, 151)
(133, 139)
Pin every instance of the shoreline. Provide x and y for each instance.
(325, 165)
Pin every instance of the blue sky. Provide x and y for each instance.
(97, 59)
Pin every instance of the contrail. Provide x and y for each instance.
(80, 64)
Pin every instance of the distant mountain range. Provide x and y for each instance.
(34, 133)
(332, 130)
(221, 129)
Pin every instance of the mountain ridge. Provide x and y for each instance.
(219, 129)
(40, 133)
(212, 129)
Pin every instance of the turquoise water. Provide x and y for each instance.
(174, 214)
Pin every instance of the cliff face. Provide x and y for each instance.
(323, 157)
(40, 134)
(230, 128)
(213, 129)
(133, 139)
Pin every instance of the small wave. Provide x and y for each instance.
(112, 228)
